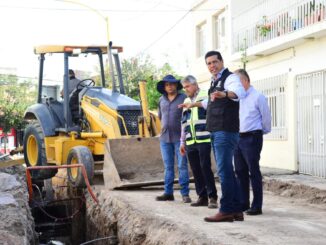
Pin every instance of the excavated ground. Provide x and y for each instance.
(292, 189)
(16, 221)
(136, 218)
(294, 213)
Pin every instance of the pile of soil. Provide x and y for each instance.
(292, 189)
(16, 221)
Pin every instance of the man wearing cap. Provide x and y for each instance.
(170, 116)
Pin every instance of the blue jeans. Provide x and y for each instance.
(169, 151)
(223, 144)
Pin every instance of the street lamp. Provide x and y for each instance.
(106, 19)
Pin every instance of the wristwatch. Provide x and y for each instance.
(226, 94)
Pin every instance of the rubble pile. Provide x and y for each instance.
(16, 221)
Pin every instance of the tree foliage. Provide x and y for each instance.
(142, 68)
(136, 69)
(15, 97)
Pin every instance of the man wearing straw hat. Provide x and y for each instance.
(170, 116)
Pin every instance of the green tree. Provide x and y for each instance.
(15, 97)
(136, 69)
(142, 68)
(152, 94)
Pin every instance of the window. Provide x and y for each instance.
(219, 31)
(201, 39)
(50, 91)
(274, 88)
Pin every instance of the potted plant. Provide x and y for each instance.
(264, 28)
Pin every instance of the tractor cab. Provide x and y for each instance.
(66, 113)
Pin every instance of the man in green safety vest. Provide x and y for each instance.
(196, 143)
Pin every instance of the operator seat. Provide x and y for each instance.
(74, 105)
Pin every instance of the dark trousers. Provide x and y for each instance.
(246, 161)
(199, 157)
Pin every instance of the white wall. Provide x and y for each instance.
(305, 58)
(306, 55)
(238, 7)
(276, 153)
(198, 66)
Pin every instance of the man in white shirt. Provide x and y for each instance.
(223, 123)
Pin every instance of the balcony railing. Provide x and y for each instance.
(293, 18)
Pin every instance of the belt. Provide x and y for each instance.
(251, 133)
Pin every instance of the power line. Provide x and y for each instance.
(140, 13)
(170, 29)
(128, 11)
(166, 32)
(109, 10)
(174, 25)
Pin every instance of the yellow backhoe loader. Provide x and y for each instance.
(112, 135)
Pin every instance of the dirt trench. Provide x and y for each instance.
(117, 216)
(139, 220)
(125, 217)
(40, 221)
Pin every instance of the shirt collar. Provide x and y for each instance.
(195, 95)
(249, 90)
(219, 75)
(165, 95)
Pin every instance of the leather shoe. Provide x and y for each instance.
(245, 207)
(201, 201)
(186, 199)
(254, 211)
(165, 197)
(238, 216)
(212, 202)
(220, 217)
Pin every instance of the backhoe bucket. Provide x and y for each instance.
(132, 162)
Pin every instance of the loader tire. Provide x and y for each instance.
(82, 155)
(34, 152)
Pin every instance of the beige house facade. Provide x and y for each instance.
(282, 45)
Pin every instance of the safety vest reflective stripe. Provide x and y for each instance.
(185, 124)
(199, 121)
(204, 133)
(188, 135)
